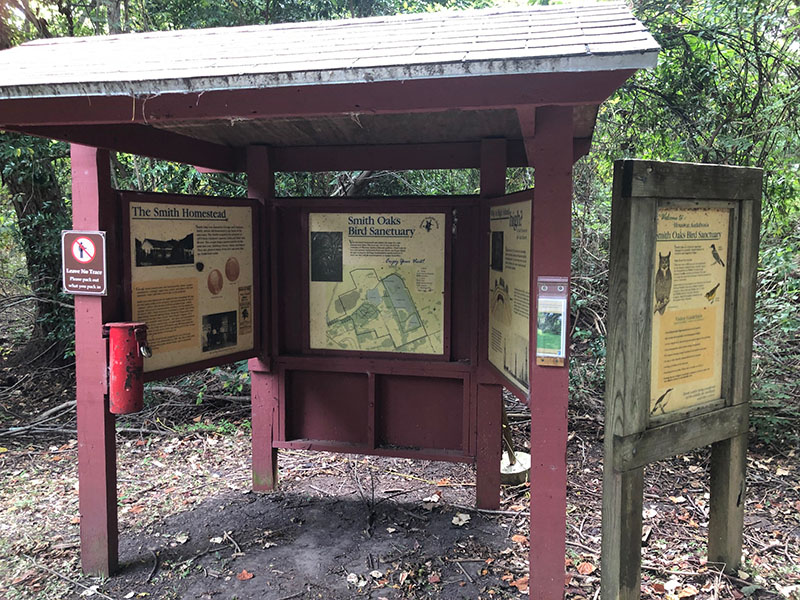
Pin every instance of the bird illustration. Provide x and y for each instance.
(710, 294)
(715, 254)
(660, 403)
(663, 283)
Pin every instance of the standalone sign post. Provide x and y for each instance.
(83, 262)
(684, 250)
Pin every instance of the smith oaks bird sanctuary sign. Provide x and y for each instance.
(684, 250)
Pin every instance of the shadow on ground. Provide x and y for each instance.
(286, 545)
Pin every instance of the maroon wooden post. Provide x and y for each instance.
(264, 385)
(94, 208)
(489, 395)
(550, 152)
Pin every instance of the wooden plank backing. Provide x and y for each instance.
(638, 449)
(674, 180)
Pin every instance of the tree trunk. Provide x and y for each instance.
(30, 178)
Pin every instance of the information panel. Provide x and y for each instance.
(377, 282)
(688, 307)
(510, 291)
(192, 279)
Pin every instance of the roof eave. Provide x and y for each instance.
(598, 62)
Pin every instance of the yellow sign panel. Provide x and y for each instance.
(192, 280)
(510, 291)
(688, 307)
(377, 282)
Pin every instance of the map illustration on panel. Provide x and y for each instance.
(390, 296)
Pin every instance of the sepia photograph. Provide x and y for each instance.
(151, 252)
(219, 331)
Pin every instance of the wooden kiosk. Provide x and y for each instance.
(379, 326)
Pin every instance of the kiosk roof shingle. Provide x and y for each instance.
(565, 38)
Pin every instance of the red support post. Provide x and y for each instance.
(551, 154)
(489, 396)
(264, 393)
(264, 385)
(94, 208)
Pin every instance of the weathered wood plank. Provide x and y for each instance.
(673, 180)
(745, 291)
(729, 457)
(726, 515)
(633, 229)
(656, 443)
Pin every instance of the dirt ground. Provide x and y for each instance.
(352, 526)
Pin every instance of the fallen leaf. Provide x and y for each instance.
(586, 568)
(443, 482)
(244, 575)
(90, 591)
(352, 579)
(649, 513)
(521, 584)
(431, 501)
(516, 507)
(688, 591)
(182, 537)
(519, 539)
(780, 472)
(677, 499)
(3, 450)
(672, 585)
(434, 578)
(75, 520)
(658, 588)
(129, 595)
(461, 519)
(216, 540)
(403, 576)
(136, 509)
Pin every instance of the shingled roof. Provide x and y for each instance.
(496, 41)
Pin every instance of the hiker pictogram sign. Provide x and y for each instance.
(83, 250)
(83, 262)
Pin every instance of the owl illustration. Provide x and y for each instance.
(663, 283)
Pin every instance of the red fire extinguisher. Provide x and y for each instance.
(127, 348)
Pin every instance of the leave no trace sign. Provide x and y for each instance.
(83, 262)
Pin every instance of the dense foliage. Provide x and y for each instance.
(726, 90)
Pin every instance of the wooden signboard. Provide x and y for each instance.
(684, 250)
(192, 270)
(510, 290)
